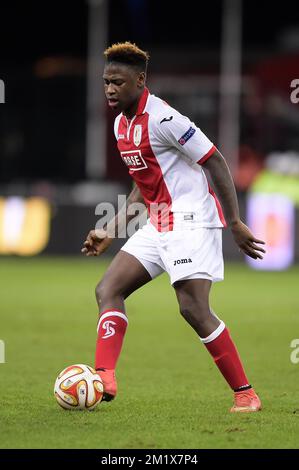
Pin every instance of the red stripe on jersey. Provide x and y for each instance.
(218, 206)
(207, 155)
(149, 179)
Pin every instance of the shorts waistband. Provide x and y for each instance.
(181, 221)
(184, 221)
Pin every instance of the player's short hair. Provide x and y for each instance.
(129, 54)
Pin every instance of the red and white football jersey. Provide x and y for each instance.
(163, 151)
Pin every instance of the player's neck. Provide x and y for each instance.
(132, 110)
(130, 114)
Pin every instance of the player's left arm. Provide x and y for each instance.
(226, 192)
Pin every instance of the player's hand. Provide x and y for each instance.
(96, 243)
(246, 241)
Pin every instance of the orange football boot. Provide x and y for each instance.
(246, 401)
(109, 382)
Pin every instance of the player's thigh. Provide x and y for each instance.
(124, 275)
(193, 293)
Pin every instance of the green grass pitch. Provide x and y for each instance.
(171, 395)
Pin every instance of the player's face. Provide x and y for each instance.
(123, 86)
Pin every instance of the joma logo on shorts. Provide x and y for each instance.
(182, 261)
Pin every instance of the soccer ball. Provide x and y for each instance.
(78, 387)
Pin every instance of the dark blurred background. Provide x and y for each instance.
(232, 66)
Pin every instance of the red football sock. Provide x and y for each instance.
(111, 331)
(224, 352)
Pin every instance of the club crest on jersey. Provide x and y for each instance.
(134, 160)
(186, 136)
(137, 136)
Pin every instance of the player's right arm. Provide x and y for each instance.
(97, 241)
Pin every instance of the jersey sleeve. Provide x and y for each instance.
(178, 131)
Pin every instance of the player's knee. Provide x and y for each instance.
(187, 313)
(101, 291)
(195, 313)
(106, 291)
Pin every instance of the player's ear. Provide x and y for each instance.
(141, 79)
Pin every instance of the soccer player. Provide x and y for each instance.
(165, 154)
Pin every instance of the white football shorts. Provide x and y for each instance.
(189, 252)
